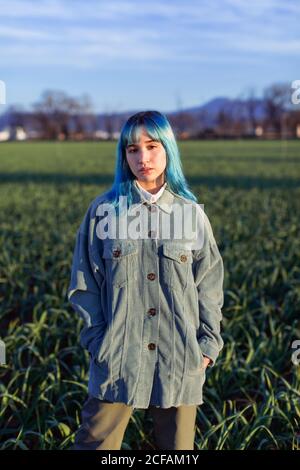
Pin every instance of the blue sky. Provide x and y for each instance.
(130, 55)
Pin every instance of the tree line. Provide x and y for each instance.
(58, 116)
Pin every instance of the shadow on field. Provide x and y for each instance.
(253, 159)
(55, 178)
(236, 181)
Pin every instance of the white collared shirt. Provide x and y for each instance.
(149, 196)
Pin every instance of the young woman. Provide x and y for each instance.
(150, 294)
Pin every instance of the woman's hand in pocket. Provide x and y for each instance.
(206, 361)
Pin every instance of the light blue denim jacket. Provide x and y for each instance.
(151, 310)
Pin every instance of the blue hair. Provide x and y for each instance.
(158, 128)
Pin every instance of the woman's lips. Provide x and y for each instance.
(147, 170)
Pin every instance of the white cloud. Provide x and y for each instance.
(87, 34)
(10, 32)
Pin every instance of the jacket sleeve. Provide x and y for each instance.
(209, 276)
(84, 291)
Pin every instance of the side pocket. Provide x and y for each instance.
(96, 343)
(102, 347)
(195, 359)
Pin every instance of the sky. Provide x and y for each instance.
(130, 55)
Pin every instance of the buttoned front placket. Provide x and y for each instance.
(150, 368)
(152, 306)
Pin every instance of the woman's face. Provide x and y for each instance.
(148, 154)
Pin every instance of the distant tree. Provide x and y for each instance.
(85, 120)
(16, 116)
(238, 117)
(251, 102)
(108, 120)
(292, 122)
(184, 123)
(224, 123)
(54, 111)
(276, 102)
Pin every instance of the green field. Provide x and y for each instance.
(251, 193)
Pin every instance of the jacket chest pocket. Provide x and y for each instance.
(121, 262)
(176, 266)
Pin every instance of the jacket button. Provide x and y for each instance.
(151, 276)
(152, 311)
(183, 258)
(151, 346)
(116, 253)
(152, 208)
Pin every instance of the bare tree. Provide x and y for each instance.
(276, 101)
(85, 120)
(292, 122)
(251, 110)
(183, 122)
(224, 123)
(53, 113)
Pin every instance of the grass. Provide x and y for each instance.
(251, 193)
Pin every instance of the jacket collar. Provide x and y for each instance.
(164, 202)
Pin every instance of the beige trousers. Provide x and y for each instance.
(104, 424)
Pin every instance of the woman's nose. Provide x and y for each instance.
(143, 156)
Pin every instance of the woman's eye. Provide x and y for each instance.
(133, 150)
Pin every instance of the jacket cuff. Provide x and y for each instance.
(209, 350)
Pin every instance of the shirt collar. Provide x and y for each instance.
(149, 196)
(164, 201)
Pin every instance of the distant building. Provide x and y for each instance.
(13, 133)
(4, 134)
(102, 135)
(259, 131)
